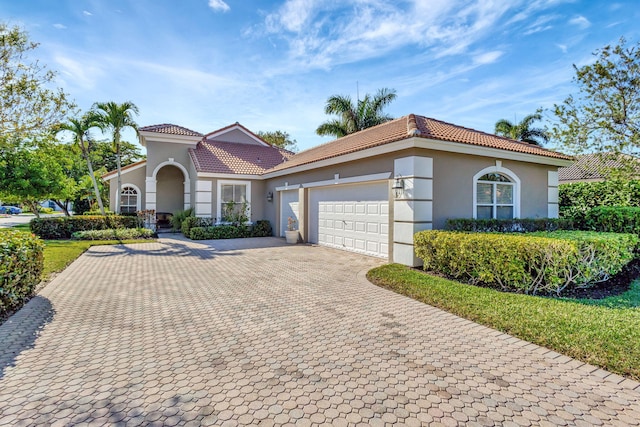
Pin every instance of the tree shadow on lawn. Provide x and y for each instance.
(20, 332)
(203, 249)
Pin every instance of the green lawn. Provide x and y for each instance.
(604, 333)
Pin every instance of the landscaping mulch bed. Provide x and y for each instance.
(616, 285)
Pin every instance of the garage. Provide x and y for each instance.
(351, 217)
(288, 208)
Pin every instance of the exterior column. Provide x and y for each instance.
(413, 211)
(150, 193)
(203, 198)
(553, 209)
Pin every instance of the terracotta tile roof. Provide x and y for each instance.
(236, 158)
(407, 127)
(594, 167)
(123, 169)
(170, 129)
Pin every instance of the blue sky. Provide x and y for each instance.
(269, 65)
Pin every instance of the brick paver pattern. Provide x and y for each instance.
(255, 332)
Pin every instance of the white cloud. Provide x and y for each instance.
(580, 21)
(219, 5)
(81, 73)
(60, 26)
(87, 13)
(562, 47)
(487, 57)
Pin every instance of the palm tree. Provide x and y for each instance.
(81, 137)
(353, 118)
(115, 117)
(523, 130)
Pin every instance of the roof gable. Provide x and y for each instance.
(236, 133)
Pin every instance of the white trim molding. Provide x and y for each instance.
(204, 198)
(553, 205)
(139, 194)
(222, 182)
(126, 169)
(151, 182)
(503, 171)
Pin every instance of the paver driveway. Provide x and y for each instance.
(254, 332)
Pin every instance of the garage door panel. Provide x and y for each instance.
(340, 220)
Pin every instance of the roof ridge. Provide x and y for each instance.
(412, 126)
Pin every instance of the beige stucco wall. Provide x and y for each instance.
(159, 152)
(135, 177)
(452, 182)
(170, 189)
(237, 136)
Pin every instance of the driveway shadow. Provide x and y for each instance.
(180, 246)
(20, 332)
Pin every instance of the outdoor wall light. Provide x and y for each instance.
(398, 187)
(270, 196)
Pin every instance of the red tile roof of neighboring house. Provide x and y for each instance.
(236, 158)
(170, 129)
(597, 167)
(412, 126)
(124, 168)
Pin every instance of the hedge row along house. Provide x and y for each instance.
(367, 192)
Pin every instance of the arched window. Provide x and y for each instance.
(496, 196)
(129, 202)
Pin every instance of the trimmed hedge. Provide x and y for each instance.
(64, 227)
(615, 219)
(115, 234)
(193, 221)
(539, 263)
(518, 225)
(261, 228)
(21, 264)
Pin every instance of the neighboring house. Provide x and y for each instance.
(368, 192)
(596, 167)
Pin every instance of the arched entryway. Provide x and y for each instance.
(168, 189)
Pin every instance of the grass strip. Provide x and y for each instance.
(605, 335)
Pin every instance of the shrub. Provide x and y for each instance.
(47, 210)
(616, 219)
(178, 218)
(577, 198)
(193, 221)
(508, 225)
(545, 263)
(262, 228)
(21, 264)
(114, 234)
(64, 227)
(219, 232)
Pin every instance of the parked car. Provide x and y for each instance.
(13, 210)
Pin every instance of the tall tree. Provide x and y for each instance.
(115, 117)
(279, 138)
(79, 128)
(27, 105)
(523, 130)
(604, 116)
(351, 117)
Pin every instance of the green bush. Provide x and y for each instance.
(546, 262)
(115, 234)
(519, 225)
(64, 227)
(219, 232)
(193, 221)
(21, 264)
(47, 210)
(262, 228)
(615, 219)
(577, 198)
(178, 218)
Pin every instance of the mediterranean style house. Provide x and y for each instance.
(367, 192)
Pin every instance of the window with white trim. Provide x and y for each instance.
(128, 200)
(233, 198)
(495, 197)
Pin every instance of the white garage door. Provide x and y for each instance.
(288, 208)
(351, 217)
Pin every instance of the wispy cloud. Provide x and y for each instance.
(562, 47)
(87, 13)
(487, 57)
(219, 5)
(60, 26)
(580, 21)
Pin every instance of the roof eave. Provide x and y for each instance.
(167, 137)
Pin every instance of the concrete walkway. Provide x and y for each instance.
(255, 332)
